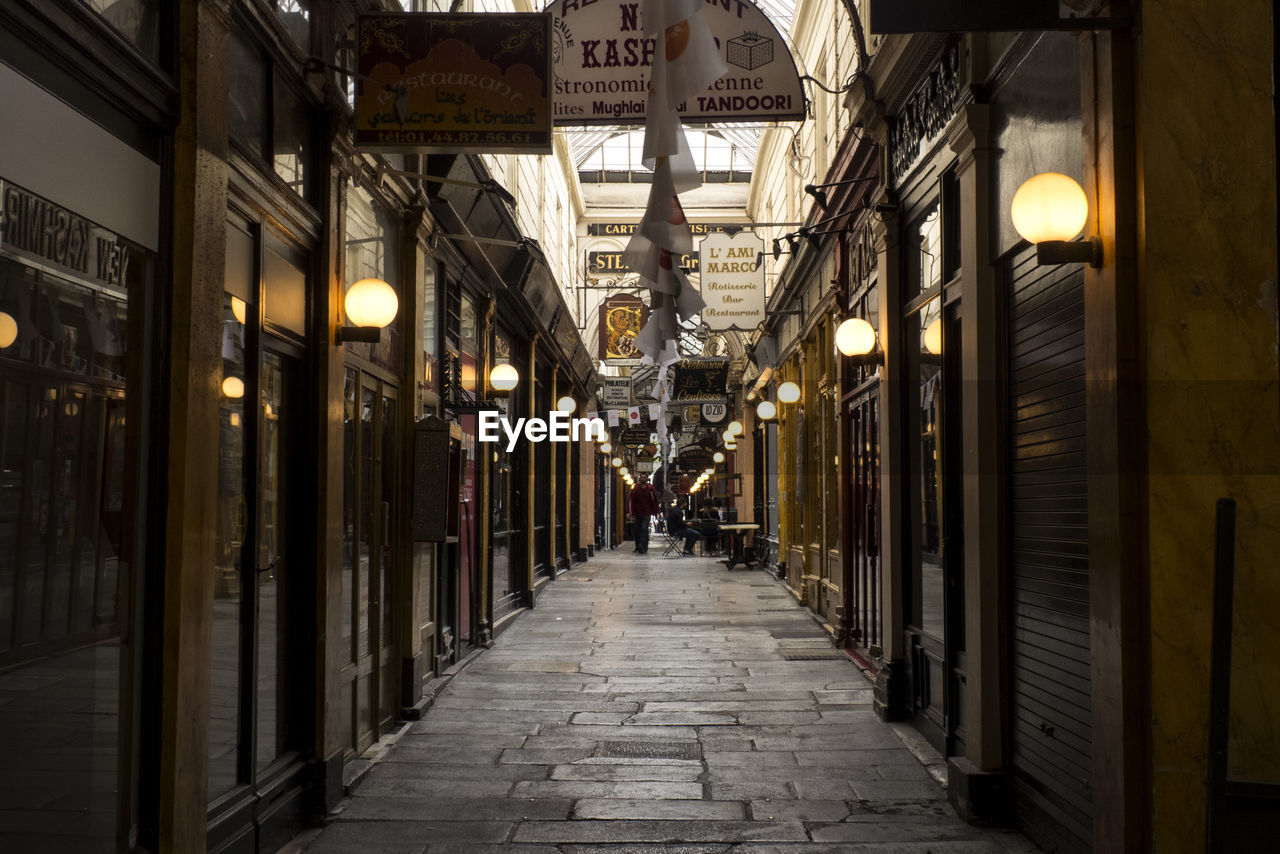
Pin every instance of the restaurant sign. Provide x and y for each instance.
(603, 61)
(454, 82)
(732, 281)
(700, 380)
(621, 317)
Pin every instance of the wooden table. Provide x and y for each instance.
(737, 533)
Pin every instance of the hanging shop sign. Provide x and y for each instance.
(454, 82)
(611, 264)
(621, 317)
(714, 413)
(732, 283)
(948, 16)
(699, 381)
(626, 229)
(697, 458)
(634, 437)
(615, 392)
(603, 60)
(644, 466)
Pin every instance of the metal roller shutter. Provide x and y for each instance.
(1050, 693)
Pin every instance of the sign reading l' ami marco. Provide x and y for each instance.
(603, 60)
(454, 82)
(732, 281)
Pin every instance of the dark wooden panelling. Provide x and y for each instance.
(1050, 690)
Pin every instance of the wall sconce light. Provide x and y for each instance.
(788, 392)
(233, 388)
(504, 378)
(718, 457)
(818, 191)
(1049, 210)
(856, 338)
(623, 470)
(370, 305)
(8, 330)
(616, 462)
(735, 428)
(566, 405)
(238, 310)
(766, 411)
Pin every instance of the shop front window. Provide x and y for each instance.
(137, 20)
(63, 564)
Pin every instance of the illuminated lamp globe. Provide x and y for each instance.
(606, 448)
(8, 330)
(624, 471)
(718, 457)
(566, 405)
(765, 410)
(504, 377)
(233, 387)
(728, 436)
(855, 337)
(1050, 206)
(735, 427)
(788, 392)
(238, 310)
(371, 302)
(932, 337)
(616, 462)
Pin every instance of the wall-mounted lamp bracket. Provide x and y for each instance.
(1087, 251)
(357, 335)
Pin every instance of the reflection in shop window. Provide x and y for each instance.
(136, 20)
(62, 567)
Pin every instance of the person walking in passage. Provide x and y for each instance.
(641, 504)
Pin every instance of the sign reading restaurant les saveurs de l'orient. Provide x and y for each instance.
(454, 82)
(603, 60)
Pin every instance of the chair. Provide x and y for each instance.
(675, 544)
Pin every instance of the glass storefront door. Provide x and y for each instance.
(259, 720)
(369, 677)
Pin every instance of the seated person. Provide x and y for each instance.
(709, 523)
(677, 527)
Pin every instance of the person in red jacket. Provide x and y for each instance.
(642, 503)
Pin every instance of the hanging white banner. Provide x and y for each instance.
(732, 283)
(603, 60)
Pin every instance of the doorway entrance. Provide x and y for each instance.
(369, 677)
(262, 620)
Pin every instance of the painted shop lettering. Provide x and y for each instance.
(42, 228)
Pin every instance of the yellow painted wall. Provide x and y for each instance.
(1208, 305)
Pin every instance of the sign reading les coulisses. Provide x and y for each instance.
(732, 283)
(603, 60)
(454, 82)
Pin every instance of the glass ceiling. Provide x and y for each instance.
(725, 148)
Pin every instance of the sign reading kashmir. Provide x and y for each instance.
(603, 60)
(732, 282)
(454, 82)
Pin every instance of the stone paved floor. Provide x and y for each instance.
(646, 705)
